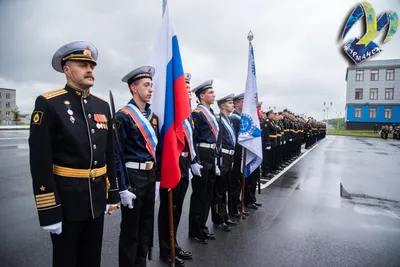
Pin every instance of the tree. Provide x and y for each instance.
(16, 115)
(337, 123)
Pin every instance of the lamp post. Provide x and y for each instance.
(338, 114)
(327, 109)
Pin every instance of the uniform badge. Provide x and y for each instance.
(154, 121)
(37, 117)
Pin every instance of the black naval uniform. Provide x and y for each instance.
(226, 148)
(236, 177)
(178, 197)
(73, 171)
(203, 187)
(267, 153)
(137, 224)
(273, 135)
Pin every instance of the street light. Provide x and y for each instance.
(327, 109)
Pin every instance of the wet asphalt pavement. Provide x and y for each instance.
(303, 220)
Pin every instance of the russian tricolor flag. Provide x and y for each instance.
(170, 100)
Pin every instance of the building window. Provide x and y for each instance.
(389, 93)
(359, 75)
(374, 75)
(359, 94)
(390, 75)
(373, 93)
(8, 96)
(8, 105)
(388, 113)
(357, 112)
(7, 113)
(372, 113)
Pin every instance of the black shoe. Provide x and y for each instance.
(178, 261)
(210, 236)
(257, 204)
(223, 227)
(199, 240)
(184, 255)
(235, 215)
(252, 206)
(246, 213)
(229, 222)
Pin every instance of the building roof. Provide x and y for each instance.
(372, 64)
(1, 88)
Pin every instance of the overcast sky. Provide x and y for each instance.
(297, 50)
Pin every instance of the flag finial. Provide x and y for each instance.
(164, 6)
(250, 36)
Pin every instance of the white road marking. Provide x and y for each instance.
(288, 167)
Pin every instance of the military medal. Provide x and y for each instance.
(100, 121)
(69, 110)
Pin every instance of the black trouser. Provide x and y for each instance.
(269, 159)
(264, 164)
(274, 150)
(79, 243)
(178, 196)
(219, 213)
(202, 194)
(236, 185)
(137, 224)
(250, 187)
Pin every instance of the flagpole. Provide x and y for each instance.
(170, 199)
(250, 38)
(171, 228)
(243, 181)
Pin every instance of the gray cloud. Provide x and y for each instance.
(297, 52)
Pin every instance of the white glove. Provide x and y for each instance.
(290, 140)
(127, 198)
(54, 228)
(217, 172)
(284, 142)
(110, 208)
(268, 148)
(157, 189)
(196, 169)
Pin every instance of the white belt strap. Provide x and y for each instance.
(140, 165)
(207, 145)
(227, 151)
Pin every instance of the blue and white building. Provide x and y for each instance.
(373, 94)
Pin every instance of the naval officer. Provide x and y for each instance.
(72, 160)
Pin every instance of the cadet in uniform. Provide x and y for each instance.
(72, 160)
(178, 193)
(139, 135)
(205, 169)
(226, 149)
(267, 155)
(250, 199)
(236, 184)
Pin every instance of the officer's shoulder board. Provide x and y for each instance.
(99, 97)
(196, 110)
(54, 93)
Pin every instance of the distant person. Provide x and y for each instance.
(376, 128)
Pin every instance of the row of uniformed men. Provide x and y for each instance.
(78, 171)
